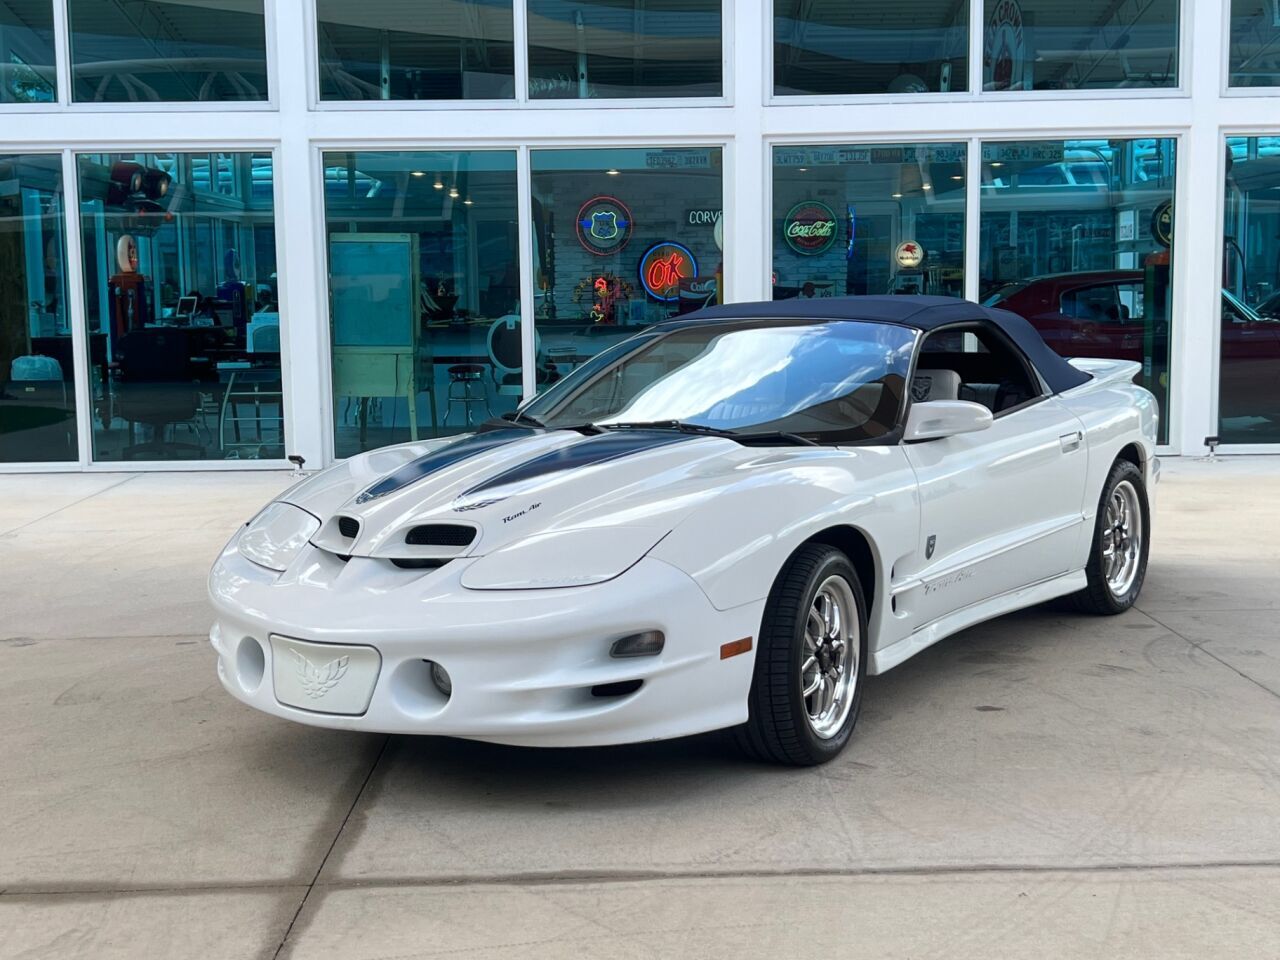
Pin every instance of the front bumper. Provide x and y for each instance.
(522, 662)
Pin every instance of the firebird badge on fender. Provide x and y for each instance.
(317, 681)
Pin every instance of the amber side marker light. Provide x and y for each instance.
(735, 647)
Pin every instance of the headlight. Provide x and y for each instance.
(276, 535)
(563, 558)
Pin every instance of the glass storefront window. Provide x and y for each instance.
(167, 50)
(870, 46)
(392, 50)
(181, 301)
(1255, 43)
(1077, 236)
(1085, 45)
(1249, 352)
(623, 238)
(869, 218)
(37, 387)
(27, 72)
(424, 290)
(601, 49)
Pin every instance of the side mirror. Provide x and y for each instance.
(945, 418)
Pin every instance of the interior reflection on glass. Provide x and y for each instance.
(1077, 236)
(623, 238)
(1249, 352)
(868, 219)
(839, 380)
(181, 303)
(1082, 45)
(391, 50)
(27, 71)
(1254, 43)
(870, 47)
(141, 51)
(37, 389)
(602, 49)
(424, 287)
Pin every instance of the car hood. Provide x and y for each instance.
(477, 494)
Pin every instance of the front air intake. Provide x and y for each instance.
(440, 535)
(348, 527)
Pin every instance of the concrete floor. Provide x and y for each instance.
(1046, 784)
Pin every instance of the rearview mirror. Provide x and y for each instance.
(934, 419)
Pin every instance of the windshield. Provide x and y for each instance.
(834, 381)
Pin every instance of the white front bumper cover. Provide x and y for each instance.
(522, 662)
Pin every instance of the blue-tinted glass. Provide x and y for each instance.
(1077, 236)
(181, 299)
(623, 238)
(1085, 45)
(1255, 43)
(1249, 358)
(151, 50)
(37, 386)
(868, 219)
(600, 49)
(425, 293)
(398, 50)
(870, 47)
(27, 73)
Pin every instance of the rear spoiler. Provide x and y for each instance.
(1107, 371)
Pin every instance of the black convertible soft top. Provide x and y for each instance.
(922, 313)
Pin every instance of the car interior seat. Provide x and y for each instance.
(935, 384)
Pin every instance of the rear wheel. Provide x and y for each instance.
(1118, 559)
(811, 661)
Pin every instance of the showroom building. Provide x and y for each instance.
(237, 230)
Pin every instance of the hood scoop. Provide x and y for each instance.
(440, 535)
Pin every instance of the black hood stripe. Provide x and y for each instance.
(437, 460)
(600, 449)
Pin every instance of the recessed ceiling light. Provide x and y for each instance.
(957, 177)
(611, 172)
(418, 173)
(897, 196)
(997, 163)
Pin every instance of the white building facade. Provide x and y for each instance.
(236, 230)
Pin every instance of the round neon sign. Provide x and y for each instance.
(662, 268)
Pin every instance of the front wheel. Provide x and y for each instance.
(1118, 559)
(811, 662)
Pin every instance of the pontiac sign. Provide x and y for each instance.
(810, 228)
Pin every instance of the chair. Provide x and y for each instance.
(156, 389)
(464, 380)
(35, 415)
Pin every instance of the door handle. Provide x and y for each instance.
(1070, 441)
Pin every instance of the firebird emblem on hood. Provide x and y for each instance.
(317, 681)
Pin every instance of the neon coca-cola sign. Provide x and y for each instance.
(810, 228)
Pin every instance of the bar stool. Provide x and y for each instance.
(466, 389)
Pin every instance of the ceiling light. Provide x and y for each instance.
(439, 184)
(897, 196)
(997, 163)
(926, 186)
(417, 173)
(453, 193)
(957, 177)
(612, 172)
(467, 202)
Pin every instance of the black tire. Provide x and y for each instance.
(778, 727)
(1099, 597)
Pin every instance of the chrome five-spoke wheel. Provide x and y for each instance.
(829, 670)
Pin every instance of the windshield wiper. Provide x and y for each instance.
(680, 426)
(515, 416)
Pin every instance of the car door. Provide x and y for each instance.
(1000, 508)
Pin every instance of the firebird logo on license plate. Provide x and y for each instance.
(317, 681)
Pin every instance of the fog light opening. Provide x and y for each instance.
(420, 688)
(646, 644)
(251, 664)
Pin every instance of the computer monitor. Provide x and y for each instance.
(186, 308)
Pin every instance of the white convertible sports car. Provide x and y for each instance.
(728, 520)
